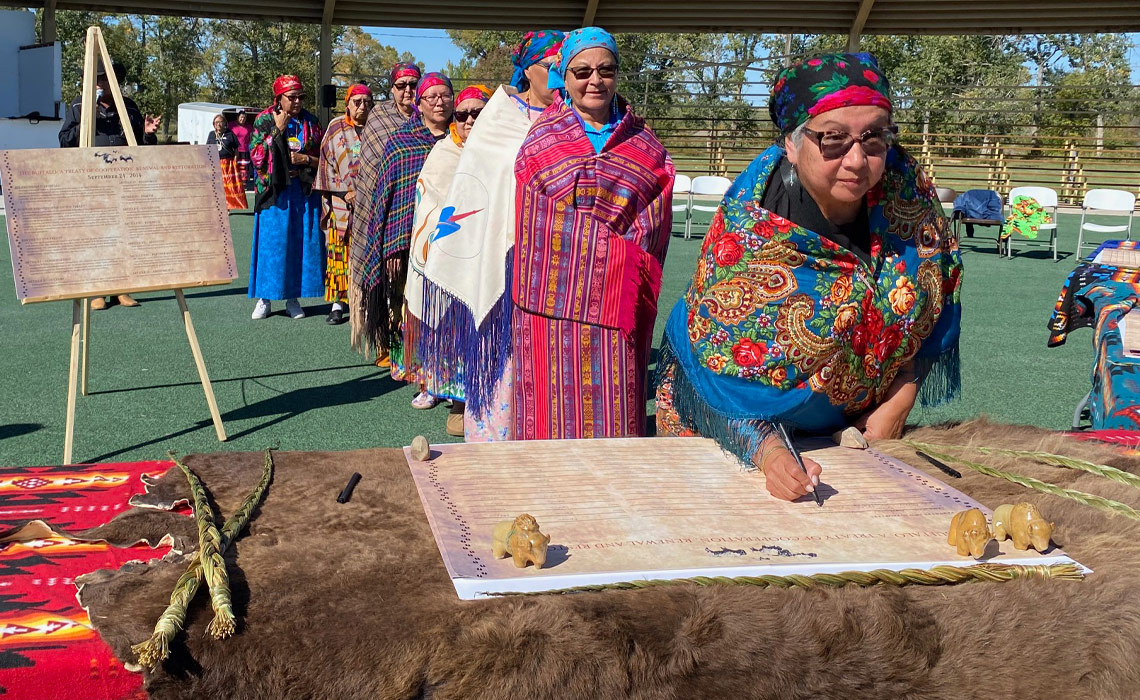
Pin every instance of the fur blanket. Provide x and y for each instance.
(352, 601)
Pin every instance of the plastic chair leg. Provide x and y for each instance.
(1079, 410)
(1081, 235)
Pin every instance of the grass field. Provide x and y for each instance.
(299, 385)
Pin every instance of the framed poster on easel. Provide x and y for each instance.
(98, 221)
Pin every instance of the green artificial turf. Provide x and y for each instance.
(297, 384)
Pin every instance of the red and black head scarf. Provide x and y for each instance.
(404, 70)
(823, 83)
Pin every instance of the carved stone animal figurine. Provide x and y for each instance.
(969, 532)
(1025, 524)
(520, 540)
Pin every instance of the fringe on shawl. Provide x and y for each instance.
(740, 438)
(449, 333)
(375, 326)
(941, 377)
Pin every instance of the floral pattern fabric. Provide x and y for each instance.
(781, 324)
(780, 306)
(1025, 218)
(823, 83)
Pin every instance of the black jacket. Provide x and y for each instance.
(227, 146)
(108, 130)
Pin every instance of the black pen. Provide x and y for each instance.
(799, 460)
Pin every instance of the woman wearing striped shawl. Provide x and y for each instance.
(336, 180)
(594, 215)
(379, 259)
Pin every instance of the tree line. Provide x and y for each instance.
(695, 86)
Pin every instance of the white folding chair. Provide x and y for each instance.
(1047, 198)
(1106, 200)
(682, 188)
(706, 186)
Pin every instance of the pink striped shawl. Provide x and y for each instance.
(593, 229)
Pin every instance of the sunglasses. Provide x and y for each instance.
(462, 115)
(833, 145)
(297, 97)
(584, 72)
(407, 85)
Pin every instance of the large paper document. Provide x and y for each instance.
(110, 220)
(663, 508)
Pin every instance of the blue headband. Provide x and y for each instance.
(575, 43)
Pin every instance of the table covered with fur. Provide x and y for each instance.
(353, 601)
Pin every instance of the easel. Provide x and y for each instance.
(80, 308)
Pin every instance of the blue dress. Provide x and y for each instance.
(288, 257)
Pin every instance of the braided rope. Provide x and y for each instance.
(1069, 463)
(1088, 499)
(936, 576)
(210, 553)
(156, 649)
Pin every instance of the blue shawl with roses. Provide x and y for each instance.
(781, 324)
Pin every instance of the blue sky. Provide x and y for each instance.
(432, 46)
(435, 49)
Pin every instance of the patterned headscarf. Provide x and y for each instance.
(431, 80)
(403, 70)
(285, 83)
(534, 47)
(474, 92)
(823, 83)
(575, 43)
(354, 90)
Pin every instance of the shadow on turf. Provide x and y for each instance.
(222, 381)
(284, 405)
(13, 429)
(223, 292)
(988, 246)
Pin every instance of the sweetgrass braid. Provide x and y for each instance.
(936, 576)
(1099, 502)
(210, 554)
(1067, 462)
(156, 649)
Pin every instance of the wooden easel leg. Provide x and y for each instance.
(72, 382)
(83, 361)
(201, 364)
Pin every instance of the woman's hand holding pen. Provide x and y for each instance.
(782, 476)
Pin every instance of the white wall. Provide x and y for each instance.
(22, 133)
(17, 28)
(41, 80)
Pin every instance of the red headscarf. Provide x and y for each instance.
(403, 70)
(354, 90)
(476, 92)
(431, 80)
(285, 83)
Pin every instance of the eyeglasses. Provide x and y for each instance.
(835, 144)
(360, 101)
(436, 99)
(406, 85)
(463, 115)
(584, 72)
